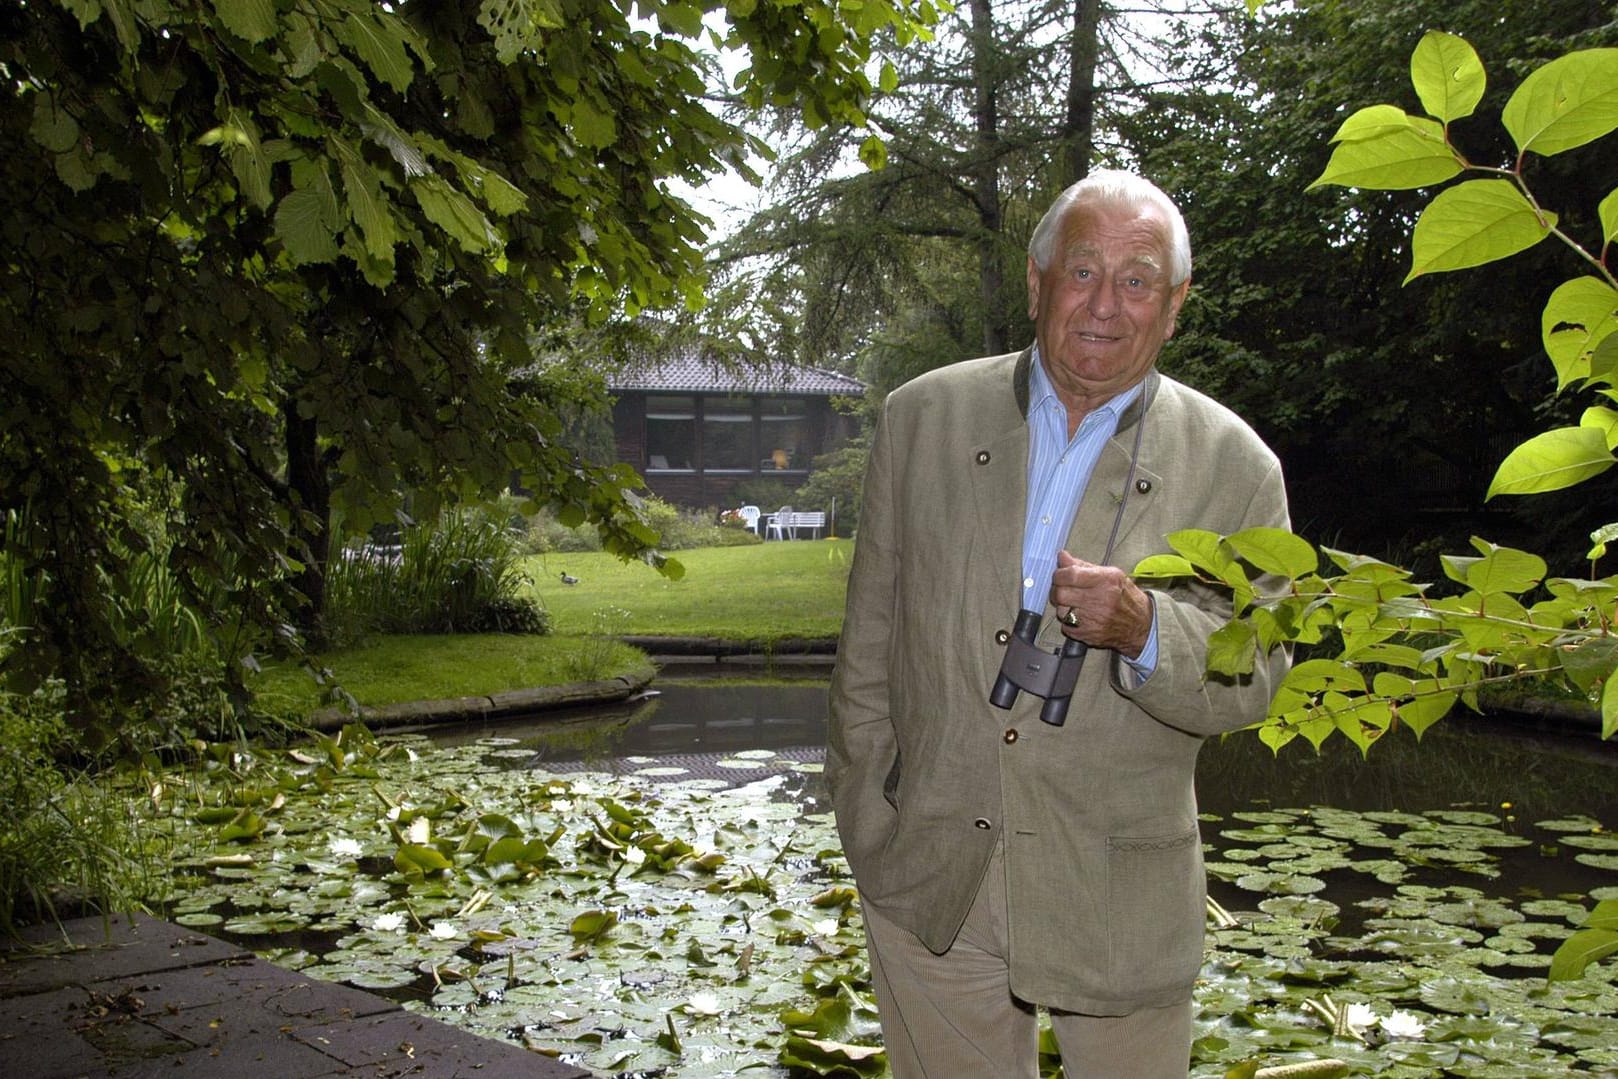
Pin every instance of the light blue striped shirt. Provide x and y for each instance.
(1058, 473)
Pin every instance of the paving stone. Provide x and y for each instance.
(38, 1036)
(283, 993)
(90, 949)
(404, 1043)
(239, 1039)
(137, 998)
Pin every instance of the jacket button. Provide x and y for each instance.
(983, 457)
(981, 822)
(1001, 636)
(1143, 486)
(1010, 735)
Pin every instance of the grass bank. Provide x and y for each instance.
(767, 591)
(430, 667)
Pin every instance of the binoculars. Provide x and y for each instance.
(1030, 669)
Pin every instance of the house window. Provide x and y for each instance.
(671, 433)
(727, 434)
(784, 434)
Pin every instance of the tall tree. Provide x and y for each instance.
(268, 260)
(920, 262)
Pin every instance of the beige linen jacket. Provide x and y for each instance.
(1098, 817)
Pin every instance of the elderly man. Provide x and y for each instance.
(1005, 863)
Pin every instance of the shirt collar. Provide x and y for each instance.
(1040, 391)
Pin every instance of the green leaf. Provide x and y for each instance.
(1579, 951)
(1473, 223)
(1371, 122)
(243, 826)
(592, 925)
(1231, 649)
(1591, 663)
(379, 41)
(418, 859)
(1204, 549)
(1551, 461)
(367, 209)
(1277, 551)
(591, 126)
(1603, 419)
(454, 213)
(888, 80)
(251, 20)
(501, 195)
(1163, 567)
(1419, 703)
(1447, 75)
(1502, 570)
(1566, 103)
(304, 229)
(52, 127)
(1608, 212)
(1578, 317)
(1363, 720)
(873, 152)
(1609, 708)
(1414, 155)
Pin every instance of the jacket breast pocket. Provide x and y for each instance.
(1155, 910)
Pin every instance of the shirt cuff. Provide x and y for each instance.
(1142, 666)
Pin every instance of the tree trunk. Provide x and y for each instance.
(986, 181)
(1078, 127)
(309, 486)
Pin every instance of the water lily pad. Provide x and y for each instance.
(197, 919)
(1280, 883)
(1570, 824)
(1598, 861)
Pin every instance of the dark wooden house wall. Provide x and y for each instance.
(699, 489)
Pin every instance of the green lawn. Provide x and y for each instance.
(763, 592)
(760, 592)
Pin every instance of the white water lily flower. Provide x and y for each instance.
(703, 1004)
(444, 931)
(390, 922)
(1361, 1017)
(827, 927)
(344, 847)
(634, 856)
(1404, 1025)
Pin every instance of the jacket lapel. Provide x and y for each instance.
(1118, 494)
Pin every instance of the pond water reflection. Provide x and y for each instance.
(1463, 761)
(1508, 771)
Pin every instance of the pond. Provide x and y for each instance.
(656, 889)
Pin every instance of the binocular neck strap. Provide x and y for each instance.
(1129, 485)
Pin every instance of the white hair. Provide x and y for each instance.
(1115, 187)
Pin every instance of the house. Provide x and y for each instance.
(695, 429)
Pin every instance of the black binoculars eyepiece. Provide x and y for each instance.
(1028, 668)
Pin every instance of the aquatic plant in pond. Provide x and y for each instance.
(652, 923)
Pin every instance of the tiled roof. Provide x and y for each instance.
(693, 374)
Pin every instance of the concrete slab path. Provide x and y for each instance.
(138, 998)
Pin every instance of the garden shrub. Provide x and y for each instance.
(67, 847)
(461, 574)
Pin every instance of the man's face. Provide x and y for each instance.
(1104, 306)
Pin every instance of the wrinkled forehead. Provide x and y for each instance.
(1121, 235)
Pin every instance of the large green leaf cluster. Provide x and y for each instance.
(1298, 318)
(283, 262)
